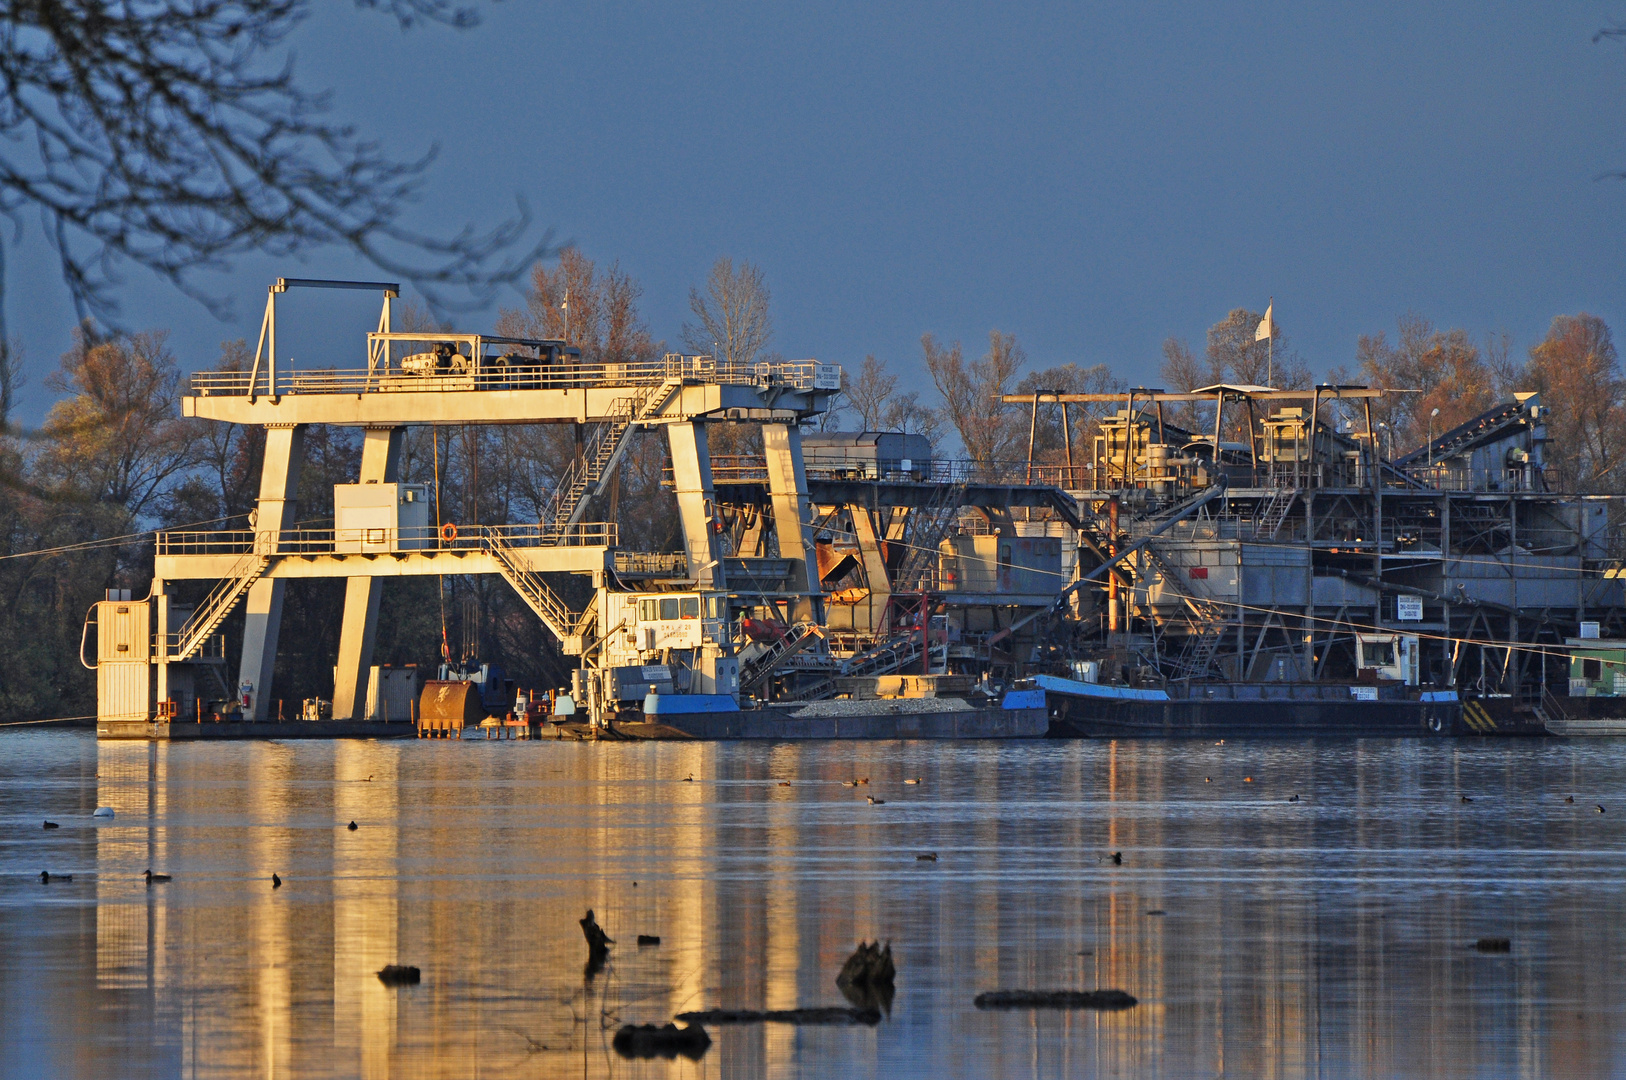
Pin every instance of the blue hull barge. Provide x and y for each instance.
(1232, 710)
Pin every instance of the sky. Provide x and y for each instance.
(1091, 178)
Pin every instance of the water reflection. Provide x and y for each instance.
(1326, 937)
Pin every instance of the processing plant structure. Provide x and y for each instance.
(1274, 571)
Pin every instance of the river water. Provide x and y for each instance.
(1330, 937)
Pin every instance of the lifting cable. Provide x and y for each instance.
(440, 579)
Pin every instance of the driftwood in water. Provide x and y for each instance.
(598, 944)
(866, 977)
(1055, 999)
(1494, 944)
(826, 1015)
(399, 975)
(652, 1041)
(870, 965)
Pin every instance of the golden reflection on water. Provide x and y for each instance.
(1326, 938)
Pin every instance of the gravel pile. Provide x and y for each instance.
(901, 707)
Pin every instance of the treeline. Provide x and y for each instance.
(1447, 377)
(114, 459)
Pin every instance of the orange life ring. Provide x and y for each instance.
(448, 532)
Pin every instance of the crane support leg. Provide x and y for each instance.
(697, 503)
(787, 488)
(277, 510)
(380, 462)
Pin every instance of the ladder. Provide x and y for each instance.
(533, 590)
(605, 446)
(217, 605)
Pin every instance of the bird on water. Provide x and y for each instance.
(152, 877)
(352, 826)
(276, 882)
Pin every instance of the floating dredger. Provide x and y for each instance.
(1274, 573)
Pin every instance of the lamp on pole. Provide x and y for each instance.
(1431, 417)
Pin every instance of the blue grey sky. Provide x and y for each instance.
(1092, 178)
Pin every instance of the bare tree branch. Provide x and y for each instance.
(169, 134)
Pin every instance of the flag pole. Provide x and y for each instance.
(1270, 350)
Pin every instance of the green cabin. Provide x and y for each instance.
(1597, 667)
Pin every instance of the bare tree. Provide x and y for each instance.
(1235, 355)
(173, 135)
(971, 394)
(871, 393)
(1049, 444)
(1182, 373)
(733, 314)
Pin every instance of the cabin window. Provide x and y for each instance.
(669, 608)
(689, 607)
(714, 606)
(1380, 653)
(646, 611)
(1004, 554)
(1592, 669)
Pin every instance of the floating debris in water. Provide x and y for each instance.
(930, 856)
(670, 1041)
(399, 975)
(102, 811)
(1055, 999)
(649, 939)
(916, 780)
(1493, 944)
(598, 944)
(830, 1014)
(1157, 911)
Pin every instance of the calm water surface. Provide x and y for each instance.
(1329, 937)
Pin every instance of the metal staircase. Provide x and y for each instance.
(796, 639)
(218, 604)
(533, 590)
(1204, 619)
(602, 452)
(1270, 517)
(932, 523)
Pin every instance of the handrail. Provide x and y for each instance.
(492, 373)
(351, 541)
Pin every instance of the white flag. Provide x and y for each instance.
(1267, 328)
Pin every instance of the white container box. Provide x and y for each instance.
(380, 517)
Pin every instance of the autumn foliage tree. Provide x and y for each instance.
(1577, 371)
(1431, 369)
